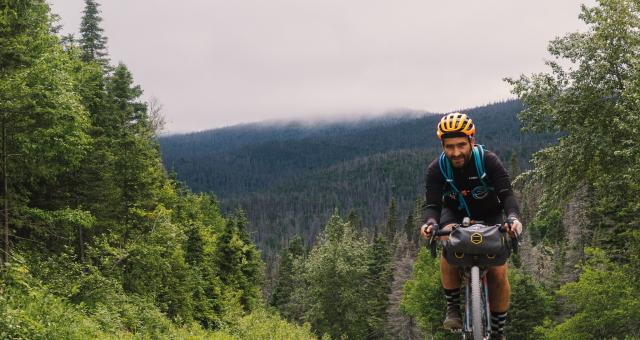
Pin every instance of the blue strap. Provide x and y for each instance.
(478, 156)
(447, 172)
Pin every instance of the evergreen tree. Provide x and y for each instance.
(239, 262)
(379, 278)
(92, 40)
(285, 281)
(392, 220)
(514, 166)
(410, 228)
(43, 126)
(139, 172)
(354, 220)
(335, 292)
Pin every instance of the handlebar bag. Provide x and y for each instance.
(477, 245)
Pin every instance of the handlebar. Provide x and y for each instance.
(436, 232)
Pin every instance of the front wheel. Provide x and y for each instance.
(476, 305)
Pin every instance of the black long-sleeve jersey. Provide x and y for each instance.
(442, 204)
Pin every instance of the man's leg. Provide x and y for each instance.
(499, 292)
(450, 278)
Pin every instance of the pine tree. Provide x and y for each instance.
(410, 227)
(285, 281)
(334, 293)
(379, 278)
(92, 40)
(239, 262)
(392, 220)
(514, 166)
(137, 164)
(354, 220)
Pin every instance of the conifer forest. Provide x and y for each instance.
(113, 230)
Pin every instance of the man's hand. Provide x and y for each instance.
(426, 229)
(515, 229)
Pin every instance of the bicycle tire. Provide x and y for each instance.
(477, 325)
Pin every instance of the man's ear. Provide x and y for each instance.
(472, 140)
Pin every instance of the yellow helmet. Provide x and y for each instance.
(456, 123)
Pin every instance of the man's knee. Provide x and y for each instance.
(497, 276)
(449, 275)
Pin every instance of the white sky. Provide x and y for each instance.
(214, 63)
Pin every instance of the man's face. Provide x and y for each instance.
(458, 150)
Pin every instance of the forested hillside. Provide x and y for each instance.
(97, 241)
(289, 178)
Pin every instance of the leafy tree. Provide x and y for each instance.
(603, 303)
(593, 104)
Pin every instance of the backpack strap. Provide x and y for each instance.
(478, 156)
(447, 172)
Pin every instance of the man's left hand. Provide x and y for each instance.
(516, 228)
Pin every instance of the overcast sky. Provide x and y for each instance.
(214, 63)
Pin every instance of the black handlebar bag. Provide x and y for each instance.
(479, 245)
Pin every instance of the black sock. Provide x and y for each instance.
(453, 298)
(498, 320)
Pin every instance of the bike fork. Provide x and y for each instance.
(467, 305)
(486, 304)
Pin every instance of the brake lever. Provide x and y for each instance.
(515, 241)
(432, 245)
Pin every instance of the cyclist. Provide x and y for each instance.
(481, 199)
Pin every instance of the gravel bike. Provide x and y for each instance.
(475, 247)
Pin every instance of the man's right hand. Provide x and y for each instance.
(426, 229)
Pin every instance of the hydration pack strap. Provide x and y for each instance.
(478, 156)
(447, 172)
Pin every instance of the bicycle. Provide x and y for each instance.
(474, 257)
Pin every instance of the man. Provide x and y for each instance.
(469, 195)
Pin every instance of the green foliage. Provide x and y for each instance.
(392, 220)
(547, 226)
(603, 303)
(262, 324)
(285, 281)
(423, 297)
(104, 244)
(593, 104)
(92, 40)
(378, 281)
(333, 290)
(530, 304)
(30, 312)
